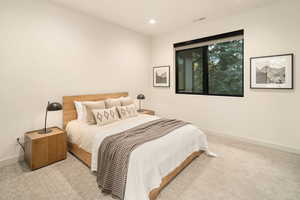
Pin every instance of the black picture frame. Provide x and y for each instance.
(167, 85)
(273, 56)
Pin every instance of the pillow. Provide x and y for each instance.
(127, 111)
(88, 107)
(112, 102)
(125, 101)
(106, 116)
(79, 110)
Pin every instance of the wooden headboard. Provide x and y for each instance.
(69, 107)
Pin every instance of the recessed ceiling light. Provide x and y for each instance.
(152, 21)
(199, 19)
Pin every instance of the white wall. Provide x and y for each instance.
(270, 116)
(47, 52)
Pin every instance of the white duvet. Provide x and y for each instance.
(148, 163)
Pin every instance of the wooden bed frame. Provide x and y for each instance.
(70, 114)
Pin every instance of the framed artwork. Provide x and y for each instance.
(272, 72)
(161, 76)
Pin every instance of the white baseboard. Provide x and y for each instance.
(11, 160)
(255, 141)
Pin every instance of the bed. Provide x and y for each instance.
(83, 141)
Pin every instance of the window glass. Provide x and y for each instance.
(190, 70)
(225, 68)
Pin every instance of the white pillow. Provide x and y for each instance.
(79, 109)
(127, 111)
(106, 116)
(125, 101)
(82, 113)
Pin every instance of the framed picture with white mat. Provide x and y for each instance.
(272, 72)
(161, 76)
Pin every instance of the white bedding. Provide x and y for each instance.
(148, 163)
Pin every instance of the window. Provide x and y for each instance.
(211, 66)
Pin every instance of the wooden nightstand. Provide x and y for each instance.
(148, 112)
(44, 149)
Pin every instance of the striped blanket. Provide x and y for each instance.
(114, 152)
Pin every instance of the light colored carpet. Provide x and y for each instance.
(241, 172)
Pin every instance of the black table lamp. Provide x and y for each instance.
(140, 97)
(50, 107)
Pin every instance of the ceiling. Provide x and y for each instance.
(169, 14)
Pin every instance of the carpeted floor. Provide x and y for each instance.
(241, 172)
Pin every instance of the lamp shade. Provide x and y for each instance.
(141, 97)
(54, 106)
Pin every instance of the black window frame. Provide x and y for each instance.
(205, 63)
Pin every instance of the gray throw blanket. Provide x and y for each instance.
(114, 152)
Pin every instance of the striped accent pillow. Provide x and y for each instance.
(106, 116)
(127, 111)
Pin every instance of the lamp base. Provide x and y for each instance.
(45, 132)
